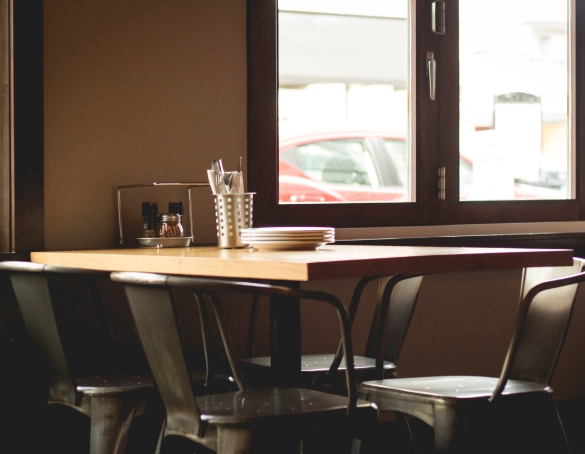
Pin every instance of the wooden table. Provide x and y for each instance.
(329, 262)
(294, 267)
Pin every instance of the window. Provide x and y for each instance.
(343, 130)
(315, 169)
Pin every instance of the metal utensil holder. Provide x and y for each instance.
(233, 212)
(142, 185)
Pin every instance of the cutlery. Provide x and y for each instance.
(227, 179)
(212, 180)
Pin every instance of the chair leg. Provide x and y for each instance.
(377, 439)
(110, 420)
(160, 437)
(356, 446)
(544, 428)
(233, 440)
(557, 434)
(404, 424)
(450, 426)
(336, 439)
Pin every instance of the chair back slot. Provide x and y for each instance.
(155, 318)
(85, 333)
(536, 275)
(34, 299)
(393, 315)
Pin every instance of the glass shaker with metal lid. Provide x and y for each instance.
(169, 225)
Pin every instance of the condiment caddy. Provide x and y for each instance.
(161, 229)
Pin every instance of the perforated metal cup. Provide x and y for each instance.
(233, 212)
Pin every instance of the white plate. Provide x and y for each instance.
(289, 230)
(288, 237)
(258, 241)
(288, 246)
(298, 234)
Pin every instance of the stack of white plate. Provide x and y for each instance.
(288, 238)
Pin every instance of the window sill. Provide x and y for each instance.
(546, 235)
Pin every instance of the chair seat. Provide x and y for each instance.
(449, 387)
(110, 385)
(250, 405)
(314, 364)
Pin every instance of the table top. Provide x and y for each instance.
(328, 262)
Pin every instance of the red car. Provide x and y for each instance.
(361, 167)
(343, 167)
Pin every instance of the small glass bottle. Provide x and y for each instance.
(149, 214)
(169, 225)
(176, 207)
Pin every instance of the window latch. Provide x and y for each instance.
(438, 17)
(432, 74)
(442, 183)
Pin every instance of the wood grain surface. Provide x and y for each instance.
(328, 262)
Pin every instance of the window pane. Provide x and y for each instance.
(343, 101)
(514, 105)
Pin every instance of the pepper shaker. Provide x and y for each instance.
(149, 214)
(176, 207)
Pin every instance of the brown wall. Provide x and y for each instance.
(136, 91)
(143, 90)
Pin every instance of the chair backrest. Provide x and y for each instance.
(534, 276)
(64, 314)
(153, 307)
(34, 300)
(84, 329)
(541, 327)
(396, 302)
(397, 297)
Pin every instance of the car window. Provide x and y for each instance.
(335, 161)
(398, 152)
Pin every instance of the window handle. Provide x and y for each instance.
(431, 74)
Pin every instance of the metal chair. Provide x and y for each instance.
(395, 305)
(64, 315)
(533, 276)
(272, 419)
(466, 409)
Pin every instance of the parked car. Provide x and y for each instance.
(343, 166)
(360, 166)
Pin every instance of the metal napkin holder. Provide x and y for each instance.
(142, 185)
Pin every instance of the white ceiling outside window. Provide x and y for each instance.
(375, 8)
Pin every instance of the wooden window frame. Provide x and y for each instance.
(22, 227)
(441, 147)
